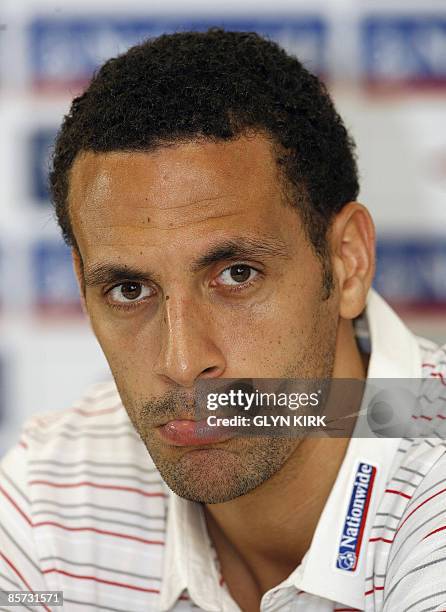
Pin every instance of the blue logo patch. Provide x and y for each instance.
(353, 530)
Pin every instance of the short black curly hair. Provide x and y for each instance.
(215, 85)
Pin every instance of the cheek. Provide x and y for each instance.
(129, 349)
(264, 339)
(289, 331)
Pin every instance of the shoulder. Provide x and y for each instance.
(83, 498)
(414, 506)
(95, 425)
(87, 450)
(433, 358)
(417, 563)
(92, 439)
(409, 531)
(100, 404)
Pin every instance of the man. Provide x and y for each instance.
(208, 189)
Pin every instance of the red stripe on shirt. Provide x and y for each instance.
(86, 483)
(434, 531)
(419, 506)
(9, 498)
(16, 571)
(373, 590)
(386, 540)
(440, 376)
(100, 531)
(66, 528)
(101, 580)
(87, 413)
(395, 492)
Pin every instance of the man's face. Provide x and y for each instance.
(195, 267)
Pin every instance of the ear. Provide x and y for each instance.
(78, 267)
(352, 242)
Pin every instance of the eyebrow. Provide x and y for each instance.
(103, 274)
(234, 248)
(241, 248)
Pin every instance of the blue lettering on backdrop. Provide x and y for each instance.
(406, 48)
(67, 50)
(54, 281)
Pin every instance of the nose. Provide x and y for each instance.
(188, 348)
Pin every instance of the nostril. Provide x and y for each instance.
(210, 371)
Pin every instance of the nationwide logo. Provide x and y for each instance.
(353, 530)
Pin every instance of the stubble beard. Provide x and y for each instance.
(221, 472)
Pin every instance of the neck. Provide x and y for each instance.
(269, 529)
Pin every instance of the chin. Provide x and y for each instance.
(208, 475)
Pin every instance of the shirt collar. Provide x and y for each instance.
(395, 354)
(189, 557)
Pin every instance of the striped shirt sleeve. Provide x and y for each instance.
(416, 569)
(19, 564)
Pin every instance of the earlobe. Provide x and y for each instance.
(353, 243)
(79, 273)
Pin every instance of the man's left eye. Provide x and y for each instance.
(238, 274)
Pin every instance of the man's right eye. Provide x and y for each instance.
(129, 293)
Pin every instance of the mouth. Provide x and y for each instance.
(186, 432)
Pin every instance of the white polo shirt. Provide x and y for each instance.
(83, 510)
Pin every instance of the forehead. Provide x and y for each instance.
(199, 185)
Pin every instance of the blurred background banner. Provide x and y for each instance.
(404, 48)
(80, 43)
(385, 64)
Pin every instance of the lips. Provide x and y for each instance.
(185, 432)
